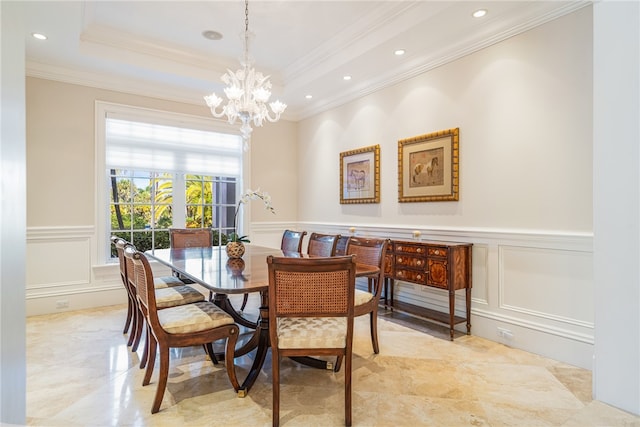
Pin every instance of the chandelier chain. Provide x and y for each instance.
(248, 92)
(246, 15)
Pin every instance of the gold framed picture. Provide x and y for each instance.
(428, 168)
(360, 175)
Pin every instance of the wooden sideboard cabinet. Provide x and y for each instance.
(442, 265)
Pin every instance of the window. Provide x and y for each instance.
(165, 171)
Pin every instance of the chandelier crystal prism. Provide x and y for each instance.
(248, 92)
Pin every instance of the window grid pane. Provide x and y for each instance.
(147, 162)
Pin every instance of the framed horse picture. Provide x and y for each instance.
(428, 168)
(360, 175)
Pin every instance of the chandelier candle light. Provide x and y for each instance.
(247, 91)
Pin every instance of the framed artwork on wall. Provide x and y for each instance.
(360, 175)
(428, 168)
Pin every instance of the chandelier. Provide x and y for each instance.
(247, 92)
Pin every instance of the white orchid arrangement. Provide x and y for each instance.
(246, 197)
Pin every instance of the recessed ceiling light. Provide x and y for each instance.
(479, 13)
(308, 96)
(399, 52)
(211, 35)
(346, 78)
(39, 36)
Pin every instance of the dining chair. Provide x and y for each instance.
(341, 246)
(134, 318)
(131, 299)
(368, 251)
(181, 238)
(292, 241)
(190, 237)
(322, 244)
(311, 313)
(198, 323)
(166, 296)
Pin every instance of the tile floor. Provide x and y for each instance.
(81, 373)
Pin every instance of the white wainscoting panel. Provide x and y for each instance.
(62, 275)
(57, 263)
(536, 285)
(545, 283)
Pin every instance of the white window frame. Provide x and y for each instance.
(102, 200)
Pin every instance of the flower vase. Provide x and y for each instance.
(235, 249)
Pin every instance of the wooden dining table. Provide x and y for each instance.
(211, 268)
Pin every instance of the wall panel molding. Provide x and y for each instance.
(535, 283)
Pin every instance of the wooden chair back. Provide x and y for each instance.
(322, 245)
(132, 305)
(370, 251)
(303, 292)
(180, 238)
(141, 276)
(341, 246)
(292, 241)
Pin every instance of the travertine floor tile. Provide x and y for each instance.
(81, 373)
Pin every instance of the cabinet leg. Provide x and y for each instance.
(392, 284)
(468, 298)
(452, 312)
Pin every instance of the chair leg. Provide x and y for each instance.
(145, 351)
(229, 356)
(347, 388)
(162, 379)
(275, 373)
(208, 348)
(244, 302)
(134, 326)
(139, 324)
(151, 359)
(373, 320)
(336, 367)
(130, 308)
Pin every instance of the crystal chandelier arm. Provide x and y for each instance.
(278, 108)
(213, 101)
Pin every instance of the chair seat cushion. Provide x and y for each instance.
(199, 316)
(177, 295)
(312, 332)
(166, 281)
(362, 297)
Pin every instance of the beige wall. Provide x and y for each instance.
(523, 107)
(61, 150)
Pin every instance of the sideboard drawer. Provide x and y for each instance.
(408, 248)
(436, 251)
(410, 261)
(419, 277)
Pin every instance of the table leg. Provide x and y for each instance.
(222, 301)
(263, 344)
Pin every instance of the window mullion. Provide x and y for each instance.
(179, 201)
